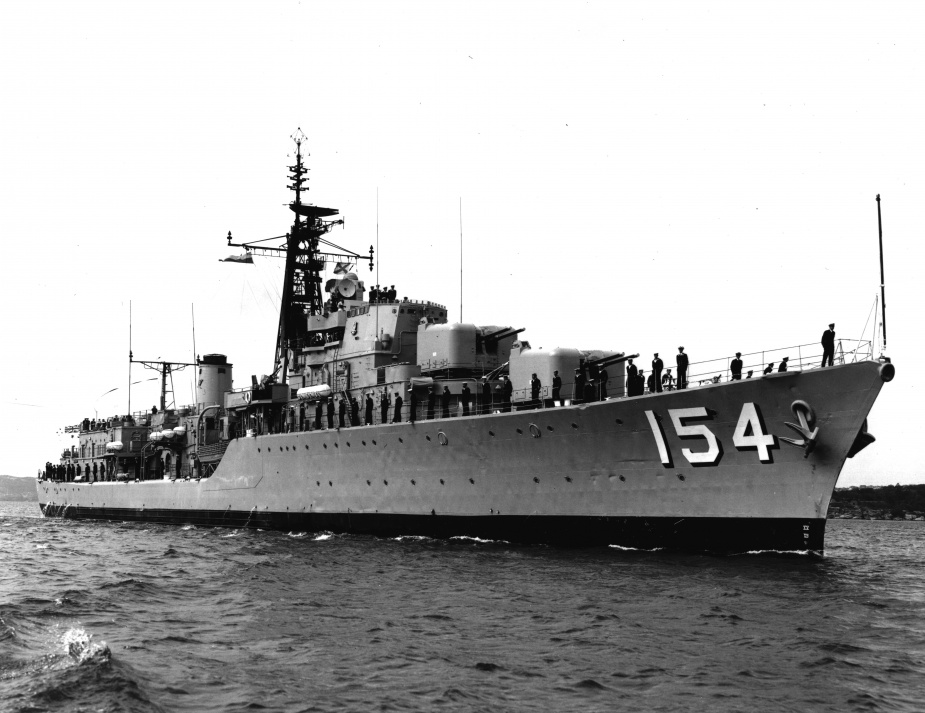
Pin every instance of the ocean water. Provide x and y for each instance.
(99, 616)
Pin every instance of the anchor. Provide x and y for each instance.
(806, 428)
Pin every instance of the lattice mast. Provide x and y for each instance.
(301, 293)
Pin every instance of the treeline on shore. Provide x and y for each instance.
(17, 489)
(879, 502)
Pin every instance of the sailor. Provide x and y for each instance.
(374, 293)
(631, 372)
(602, 375)
(445, 402)
(668, 380)
(384, 407)
(354, 412)
(341, 412)
(828, 345)
(657, 366)
(369, 409)
(589, 392)
(749, 375)
(413, 410)
(579, 393)
(102, 471)
(87, 471)
(783, 365)
(392, 293)
(508, 392)
(769, 368)
(318, 412)
(556, 387)
(466, 399)
(736, 367)
(535, 386)
(330, 412)
(431, 403)
(398, 403)
(95, 471)
(486, 397)
(154, 410)
(682, 362)
(650, 382)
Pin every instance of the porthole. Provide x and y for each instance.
(536, 480)
(325, 445)
(619, 422)
(471, 481)
(348, 444)
(318, 483)
(306, 446)
(535, 430)
(520, 432)
(491, 433)
(368, 482)
(550, 428)
(568, 479)
(680, 477)
(574, 425)
(330, 484)
(363, 442)
(441, 482)
(337, 445)
(622, 479)
(427, 437)
(374, 441)
(385, 482)
(400, 440)
(258, 450)
(413, 482)
(441, 436)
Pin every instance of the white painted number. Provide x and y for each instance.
(708, 457)
(758, 439)
(659, 438)
(749, 420)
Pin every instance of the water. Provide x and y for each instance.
(128, 617)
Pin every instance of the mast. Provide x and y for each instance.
(882, 281)
(301, 293)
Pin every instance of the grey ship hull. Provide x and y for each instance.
(583, 475)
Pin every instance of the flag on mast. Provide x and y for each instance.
(342, 268)
(246, 259)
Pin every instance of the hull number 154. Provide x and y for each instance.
(749, 434)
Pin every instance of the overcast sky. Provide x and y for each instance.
(633, 176)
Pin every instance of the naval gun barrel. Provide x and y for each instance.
(504, 333)
(492, 374)
(613, 359)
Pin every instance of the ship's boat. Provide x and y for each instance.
(381, 417)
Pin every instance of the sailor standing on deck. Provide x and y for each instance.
(579, 393)
(556, 387)
(445, 402)
(398, 403)
(486, 398)
(508, 392)
(828, 345)
(535, 390)
(631, 372)
(682, 362)
(384, 407)
(736, 367)
(330, 412)
(354, 411)
(341, 412)
(657, 366)
(466, 399)
(369, 410)
(431, 404)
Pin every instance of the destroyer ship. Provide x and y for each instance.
(383, 418)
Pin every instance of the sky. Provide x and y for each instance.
(625, 176)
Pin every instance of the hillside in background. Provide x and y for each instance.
(886, 502)
(13, 488)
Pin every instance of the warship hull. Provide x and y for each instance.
(704, 468)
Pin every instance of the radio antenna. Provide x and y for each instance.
(129, 357)
(460, 262)
(192, 308)
(882, 281)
